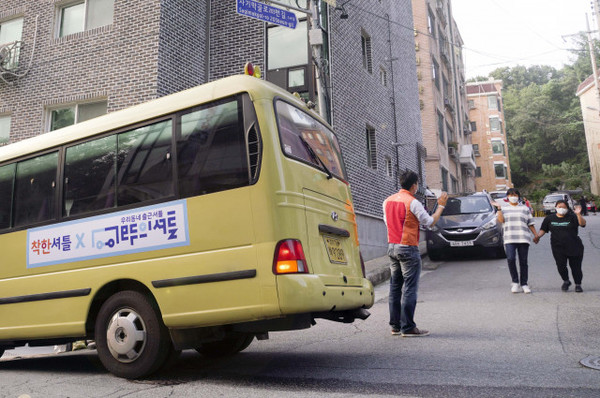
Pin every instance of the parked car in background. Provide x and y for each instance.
(550, 200)
(468, 221)
(498, 195)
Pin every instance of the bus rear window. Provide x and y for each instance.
(297, 129)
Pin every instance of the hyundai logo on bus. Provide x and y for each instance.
(267, 13)
(334, 216)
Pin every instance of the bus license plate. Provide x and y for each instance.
(335, 250)
(461, 243)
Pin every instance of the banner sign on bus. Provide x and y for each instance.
(267, 13)
(138, 230)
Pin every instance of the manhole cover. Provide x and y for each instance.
(592, 362)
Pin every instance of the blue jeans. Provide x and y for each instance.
(511, 250)
(404, 283)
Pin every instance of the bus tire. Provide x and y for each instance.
(227, 347)
(131, 339)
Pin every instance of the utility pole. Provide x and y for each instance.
(315, 40)
(593, 58)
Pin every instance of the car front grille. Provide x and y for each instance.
(458, 237)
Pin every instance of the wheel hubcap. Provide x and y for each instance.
(126, 335)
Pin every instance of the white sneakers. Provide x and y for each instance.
(516, 288)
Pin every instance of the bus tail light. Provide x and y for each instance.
(289, 258)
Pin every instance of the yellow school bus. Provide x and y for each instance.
(202, 220)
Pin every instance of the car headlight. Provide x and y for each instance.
(490, 224)
(435, 228)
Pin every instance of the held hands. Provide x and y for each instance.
(536, 239)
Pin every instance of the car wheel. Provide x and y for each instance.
(226, 347)
(131, 339)
(434, 255)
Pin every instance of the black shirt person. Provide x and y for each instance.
(565, 242)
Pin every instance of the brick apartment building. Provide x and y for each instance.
(450, 164)
(68, 61)
(486, 113)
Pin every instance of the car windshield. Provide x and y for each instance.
(467, 205)
(553, 198)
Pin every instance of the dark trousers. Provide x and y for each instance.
(404, 284)
(511, 250)
(574, 263)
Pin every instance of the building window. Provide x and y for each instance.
(471, 104)
(492, 102)
(77, 113)
(450, 133)
(371, 148)
(430, 23)
(435, 73)
(4, 129)
(494, 124)
(440, 118)
(388, 167)
(10, 37)
(476, 150)
(500, 170)
(473, 126)
(366, 52)
(383, 77)
(478, 172)
(454, 185)
(444, 179)
(84, 15)
(498, 147)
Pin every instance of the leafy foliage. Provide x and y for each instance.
(544, 125)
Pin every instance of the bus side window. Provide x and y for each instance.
(145, 170)
(35, 189)
(211, 152)
(7, 178)
(90, 176)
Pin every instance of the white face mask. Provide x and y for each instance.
(513, 199)
(561, 210)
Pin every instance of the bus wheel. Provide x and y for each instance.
(226, 347)
(131, 339)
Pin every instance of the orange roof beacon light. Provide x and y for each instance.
(252, 70)
(289, 258)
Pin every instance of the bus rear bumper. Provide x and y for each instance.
(301, 293)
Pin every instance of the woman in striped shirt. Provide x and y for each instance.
(518, 227)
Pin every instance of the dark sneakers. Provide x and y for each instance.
(396, 332)
(578, 289)
(565, 286)
(416, 332)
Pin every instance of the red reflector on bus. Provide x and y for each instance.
(289, 258)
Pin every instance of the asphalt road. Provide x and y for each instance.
(484, 342)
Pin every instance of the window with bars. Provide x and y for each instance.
(366, 52)
(383, 77)
(371, 148)
(389, 171)
(494, 124)
(441, 123)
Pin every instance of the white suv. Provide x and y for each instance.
(550, 200)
